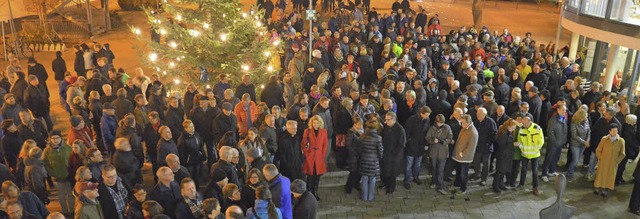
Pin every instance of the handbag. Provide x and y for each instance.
(341, 140)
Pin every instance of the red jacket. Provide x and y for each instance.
(315, 152)
(83, 134)
(241, 114)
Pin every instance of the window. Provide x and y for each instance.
(626, 11)
(574, 4)
(597, 8)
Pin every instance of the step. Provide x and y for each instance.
(339, 178)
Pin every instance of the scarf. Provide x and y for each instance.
(195, 206)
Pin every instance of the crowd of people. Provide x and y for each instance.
(382, 94)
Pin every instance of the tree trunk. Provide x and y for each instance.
(476, 10)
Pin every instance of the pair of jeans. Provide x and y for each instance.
(481, 165)
(576, 153)
(65, 196)
(593, 162)
(438, 172)
(462, 175)
(515, 170)
(534, 171)
(368, 188)
(550, 164)
(412, 168)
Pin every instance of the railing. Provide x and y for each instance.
(58, 30)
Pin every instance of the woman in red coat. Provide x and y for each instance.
(314, 147)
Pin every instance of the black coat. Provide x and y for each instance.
(183, 211)
(39, 71)
(167, 197)
(504, 152)
(371, 153)
(18, 89)
(78, 63)
(203, 122)
(242, 89)
(487, 130)
(404, 111)
(394, 141)
(289, 155)
(11, 145)
(502, 94)
(135, 141)
(106, 200)
(535, 106)
(190, 149)
(59, 67)
(416, 129)
(630, 136)
(174, 118)
(38, 133)
(353, 149)
(306, 206)
(600, 129)
(272, 95)
(127, 166)
(223, 124)
(229, 169)
(156, 103)
(122, 107)
(151, 137)
(36, 100)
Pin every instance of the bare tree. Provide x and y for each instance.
(41, 7)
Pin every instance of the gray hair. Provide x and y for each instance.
(631, 119)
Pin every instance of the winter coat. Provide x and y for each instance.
(59, 67)
(249, 89)
(325, 114)
(36, 100)
(342, 120)
(261, 210)
(535, 105)
(73, 91)
(203, 122)
(394, 141)
(268, 135)
(83, 134)
(11, 145)
(280, 187)
(174, 118)
(164, 148)
(306, 206)
(122, 107)
(182, 209)
(243, 119)
(11, 112)
(87, 209)
(108, 127)
(371, 150)
(167, 197)
(188, 100)
(18, 89)
(314, 148)
(228, 168)
(404, 111)
(466, 144)
(190, 149)
(557, 131)
(580, 134)
(444, 135)
(141, 114)
(34, 177)
(504, 152)
(134, 140)
(56, 161)
(609, 154)
(78, 63)
(272, 94)
(107, 200)
(487, 130)
(134, 210)
(353, 148)
(289, 155)
(416, 128)
(630, 136)
(32, 205)
(599, 129)
(151, 137)
(38, 132)
(127, 166)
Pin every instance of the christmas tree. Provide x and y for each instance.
(195, 40)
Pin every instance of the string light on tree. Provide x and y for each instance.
(163, 31)
(223, 36)
(194, 33)
(137, 31)
(179, 17)
(172, 64)
(173, 44)
(244, 15)
(176, 81)
(208, 86)
(245, 67)
(153, 57)
(205, 25)
(267, 53)
(270, 68)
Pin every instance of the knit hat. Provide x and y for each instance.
(75, 120)
(55, 133)
(6, 124)
(433, 80)
(533, 89)
(227, 106)
(84, 186)
(298, 186)
(31, 60)
(218, 175)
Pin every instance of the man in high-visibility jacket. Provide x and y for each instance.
(530, 140)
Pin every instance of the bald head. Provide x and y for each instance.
(56, 215)
(234, 212)
(173, 161)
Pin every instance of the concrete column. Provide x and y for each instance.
(610, 70)
(573, 46)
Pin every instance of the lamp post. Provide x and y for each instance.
(310, 30)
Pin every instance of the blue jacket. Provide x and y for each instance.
(262, 210)
(280, 187)
(108, 126)
(32, 205)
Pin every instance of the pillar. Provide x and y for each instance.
(610, 70)
(573, 46)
